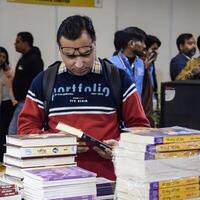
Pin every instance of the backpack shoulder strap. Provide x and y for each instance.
(114, 80)
(47, 86)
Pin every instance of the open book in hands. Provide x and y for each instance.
(80, 134)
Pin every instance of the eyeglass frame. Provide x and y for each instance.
(77, 49)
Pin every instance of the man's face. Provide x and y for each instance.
(138, 47)
(152, 52)
(153, 48)
(78, 55)
(19, 45)
(189, 45)
(2, 58)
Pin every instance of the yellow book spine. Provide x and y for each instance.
(176, 154)
(178, 146)
(181, 138)
(182, 190)
(79, 3)
(179, 182)
(48, 151)
(181, 196)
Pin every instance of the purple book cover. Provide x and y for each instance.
(154, 186)
(151, 147)
(105, 192)
(60, 173)
(149, 156)
(85, 197)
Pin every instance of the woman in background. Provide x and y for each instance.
(7, 100)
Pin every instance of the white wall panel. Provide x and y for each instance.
(186, 15)
(37, 19)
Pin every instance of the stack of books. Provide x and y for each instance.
(157, 164)
(66, 183)
(8, 191)
(105, 189)
(37, 150)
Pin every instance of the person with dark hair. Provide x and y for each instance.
(118, 40)
(150, 86)
(28, 66)
(7, 100)
(129, 44)
(152, 42)
(82, 97)
(192, 69)
(187, 47)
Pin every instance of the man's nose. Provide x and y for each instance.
(79, 62)
(143, 45)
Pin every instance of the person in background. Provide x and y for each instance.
(150, 86)
(132, 43)
(7, 100)
(76, 100)
(28, 66)
(118, 41)
(186, 45)
(192, 69)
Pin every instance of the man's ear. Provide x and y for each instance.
(131, 43)
(181, 47)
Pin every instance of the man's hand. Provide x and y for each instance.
(107, 153)
(151, 57)
(196, 70)
(82, 147)
(194, 73)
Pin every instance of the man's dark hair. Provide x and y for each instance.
(133, 33)
(3, 50)
(182, 38)
(150, 40)
(118, 40)
(26, 37)
(72, 27)
(134, 29)
(198, 42)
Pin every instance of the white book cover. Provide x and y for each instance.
(14, 197)
(38, 162)
(155, 170)
(40, 151)
(41, 139)
(61, 192)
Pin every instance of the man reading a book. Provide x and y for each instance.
(82, 97)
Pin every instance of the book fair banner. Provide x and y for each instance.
(75, 3)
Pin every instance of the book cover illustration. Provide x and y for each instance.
(60, 173)
(39, 136)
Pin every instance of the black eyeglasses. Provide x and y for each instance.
(83, 51)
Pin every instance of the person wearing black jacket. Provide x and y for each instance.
(28, 66)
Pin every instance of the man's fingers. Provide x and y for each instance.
(82, 149)
(112, 143)
(107, 153)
